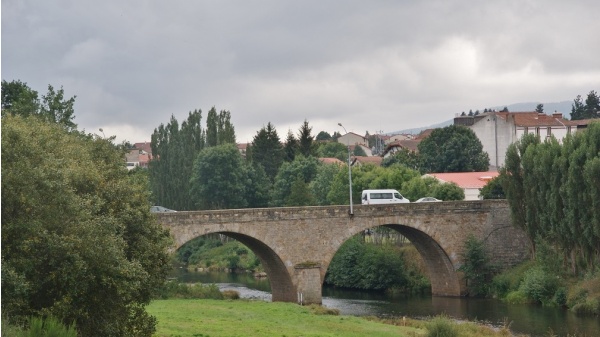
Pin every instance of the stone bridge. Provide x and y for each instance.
(296, 244)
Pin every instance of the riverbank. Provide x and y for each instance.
(215, 318)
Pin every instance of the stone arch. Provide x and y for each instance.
(282, 287)
(445, 280)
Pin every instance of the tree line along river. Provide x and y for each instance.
(534, 320)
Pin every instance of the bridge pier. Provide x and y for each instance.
(308, 278)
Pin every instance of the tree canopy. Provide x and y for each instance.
(19, 99)
(78, 239)
(219, 178)
(453, 149)
(588, 109)
(553, 191)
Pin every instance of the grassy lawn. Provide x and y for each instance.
(214, 318)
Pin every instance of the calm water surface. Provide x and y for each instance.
(534, 320)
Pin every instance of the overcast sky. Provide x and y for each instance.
(370, 65)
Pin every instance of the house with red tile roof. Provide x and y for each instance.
(139, 155)
(362, 160)
(327, 160)
(352, 138)
(408, 144)
(470, 182)
(497, 130)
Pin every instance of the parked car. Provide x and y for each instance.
(428, 199)
(160, 209)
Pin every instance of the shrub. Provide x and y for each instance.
(509, 280)
(517, 297)
(231, 294)
(476, 267)
(441, 326)
(539, 285)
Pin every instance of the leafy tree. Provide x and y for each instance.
(302, 167)
(78, 240)
(391, 177)
(305, 140)
(477, 267)
(323, 136)
(258, 187)
(219, 178)
(290, 148)
(493, 189)
(266, 150)
(56, 109)
(419, 187)
(19, 99)
(300, 194)
(333, 150)
(577, 108)
(321, 184)
(404, 157)
(539, 108)
(453, 149)
(358, 151)
(448, 191)
(588, 109)
(592, 105)
(505, 109)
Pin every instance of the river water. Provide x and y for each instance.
(533, 320)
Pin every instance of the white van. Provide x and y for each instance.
(371, 197)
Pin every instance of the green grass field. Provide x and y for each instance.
(214, 318)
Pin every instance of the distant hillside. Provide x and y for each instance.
(564, 107)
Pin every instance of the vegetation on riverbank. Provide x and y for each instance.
(542, 280)
(177, 317)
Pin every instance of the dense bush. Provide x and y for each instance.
(539, 285)
(441, 326)
(363, 265)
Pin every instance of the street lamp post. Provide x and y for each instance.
(349, 171)
(103, 135)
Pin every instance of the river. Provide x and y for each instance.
(533, 320)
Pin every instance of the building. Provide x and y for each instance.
(352, 138)
(139, 156)
(361, 160)
(408, 144)
(497, 130)
(470, 182)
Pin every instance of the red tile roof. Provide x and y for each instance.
(534, 119)
(330, 161)
(466, 179)
(367, 160)
(143, 146)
